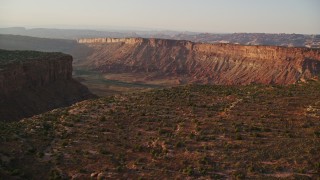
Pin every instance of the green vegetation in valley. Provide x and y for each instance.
(102, 86)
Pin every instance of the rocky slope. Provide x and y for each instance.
(34, 82)
(203, 63)
(186, 132)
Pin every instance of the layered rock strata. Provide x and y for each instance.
(227, 64)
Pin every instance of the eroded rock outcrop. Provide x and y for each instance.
(204, 63)
(34, 82)
(111, 40)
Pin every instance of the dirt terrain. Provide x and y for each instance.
(195, 131)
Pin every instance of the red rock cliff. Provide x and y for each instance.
(204, 63)
(34, 82)
(35, 73)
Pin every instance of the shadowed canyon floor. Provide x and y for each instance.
(195, 131)
(104, 84)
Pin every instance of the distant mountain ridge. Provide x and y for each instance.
(17, 42)
(281, 39)
(59, 33)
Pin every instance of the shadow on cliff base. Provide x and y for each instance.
(32, 101)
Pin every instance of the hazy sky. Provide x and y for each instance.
(271, 16)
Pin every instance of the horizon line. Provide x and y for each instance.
(140, 29)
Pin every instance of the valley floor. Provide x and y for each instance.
(106, 84)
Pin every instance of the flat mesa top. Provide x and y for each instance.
(9, 57)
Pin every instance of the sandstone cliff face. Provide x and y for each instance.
(35, 73)
(204, 63)
(36, 84)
